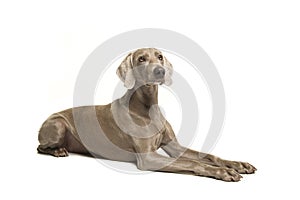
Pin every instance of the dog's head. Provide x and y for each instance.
(145, 66)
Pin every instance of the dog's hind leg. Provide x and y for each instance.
(52, 138)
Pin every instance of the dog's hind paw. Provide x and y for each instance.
(60, 152)
(57, 152)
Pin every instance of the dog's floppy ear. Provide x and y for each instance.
(169, 71)
(125, 72)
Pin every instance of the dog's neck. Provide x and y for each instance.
(141, 99)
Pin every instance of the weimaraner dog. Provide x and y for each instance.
(132, 128)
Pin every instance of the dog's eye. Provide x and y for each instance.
(141, 59)
(160, 57)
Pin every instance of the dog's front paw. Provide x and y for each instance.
(229, 175)
(240, 167)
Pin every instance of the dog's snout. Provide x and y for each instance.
(159, 72)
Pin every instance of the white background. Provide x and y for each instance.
(254, 44)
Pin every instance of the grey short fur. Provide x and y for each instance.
(141, 71)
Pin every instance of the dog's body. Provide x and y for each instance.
(133, 128)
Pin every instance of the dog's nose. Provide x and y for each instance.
(159, 72)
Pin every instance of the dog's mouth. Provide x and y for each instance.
(154, 83)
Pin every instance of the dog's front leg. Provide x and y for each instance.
(175, 150)
(156, 162)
